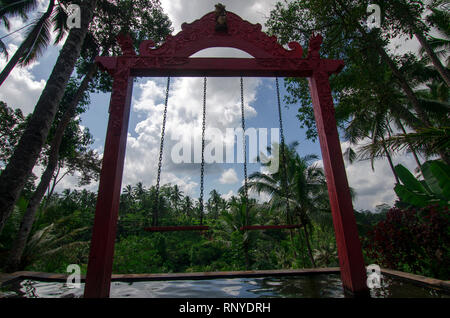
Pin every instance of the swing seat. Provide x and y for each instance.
(269, 227)
(176, 228)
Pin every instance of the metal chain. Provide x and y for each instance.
(161, 150)
(283, 155)
(202, 169)
(244, 141)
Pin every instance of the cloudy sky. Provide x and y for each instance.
(24, 85)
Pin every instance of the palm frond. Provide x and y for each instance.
(350, 155)
(4, 49)
(20, 8)
(59, 18)
(426, 140)
(41, 33)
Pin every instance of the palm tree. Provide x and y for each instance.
(306, 189)
(187, 205)
(38, 36)
(374, 126)
(16, 8)
(241, 213)
(408, 16)
(27, 151)
(139, 191)
(440, 19)
(428, 141)
(176, 196)
(214, 204)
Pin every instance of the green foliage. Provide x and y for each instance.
(412, 240)
(51, 249)
(145, 258)
(434, 189)
(12, 123)
(378, 92)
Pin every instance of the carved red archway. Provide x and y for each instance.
(173, 59)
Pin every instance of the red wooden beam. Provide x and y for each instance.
(353, 271)
(98, 278)
(270, 227)
(219, 67)
(176, 228)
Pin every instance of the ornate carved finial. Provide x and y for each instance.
(221, 18)
(126, 44)
(314, 45)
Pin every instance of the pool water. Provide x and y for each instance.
(308, 286)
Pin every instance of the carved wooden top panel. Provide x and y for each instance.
(239, 34)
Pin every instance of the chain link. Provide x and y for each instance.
(202, 169)
(283, 155)
(161, 150)
(244, 144)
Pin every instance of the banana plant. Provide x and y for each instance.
(433, 189)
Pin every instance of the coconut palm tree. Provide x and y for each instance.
(38, 35)
(407, 17)
(176, 196)
(214, 204)
(428, 141)
(440, 20)
(187, 205)
(241, 213)
(306, 189)
(29, 147)
(10, 9)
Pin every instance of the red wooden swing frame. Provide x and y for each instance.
(172, 58)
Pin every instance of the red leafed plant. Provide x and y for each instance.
(412, 240)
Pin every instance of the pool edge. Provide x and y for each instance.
(6, 278)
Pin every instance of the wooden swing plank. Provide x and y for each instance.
(176, 228)
(270, 227)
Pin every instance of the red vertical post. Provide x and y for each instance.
(98, 278)
(353, 272)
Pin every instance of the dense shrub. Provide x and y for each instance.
(413, 240)
(136, 254)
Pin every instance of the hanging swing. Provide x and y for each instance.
(284, 167)
(155, 227)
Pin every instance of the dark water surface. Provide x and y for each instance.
(307, 286)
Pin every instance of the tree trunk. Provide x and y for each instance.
(21, 163)
(386, 151)
(388, 156)
(27, 45)
(19, 244)
(416, 158)
(51, 187)
(246, 255)
(308, 244)
(434, 59)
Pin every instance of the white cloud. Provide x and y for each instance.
(374, 187)
(227, 196)
(229, 176)
(180, 11)
(20, 89)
